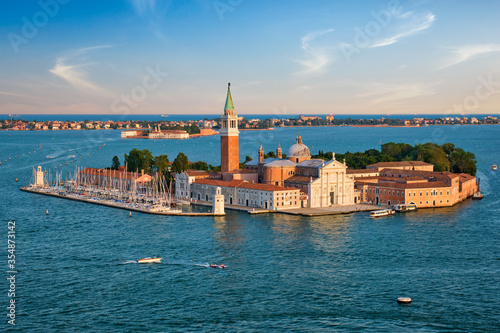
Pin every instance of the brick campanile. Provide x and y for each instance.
(229, 144)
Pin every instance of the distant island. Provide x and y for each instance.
(195, 127)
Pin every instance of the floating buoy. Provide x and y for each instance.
(130, 214)
(16, 180)
(404, 300)
(47, 212)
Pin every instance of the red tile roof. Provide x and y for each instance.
(406, 185)
(114, 174)
(361, 171)
(221, 183)
(399, 164)
(420, 173)
(197, 173)
(300, 179)
(265, 187)
(464, 177)
(243, 184)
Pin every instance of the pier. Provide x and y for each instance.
(332, 210)
(123, 206)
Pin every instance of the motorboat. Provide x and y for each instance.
(382, 212)
(164, 209)
(148, 260)
(217, 266)
(477, 196)
(403, 208)
(494, 167)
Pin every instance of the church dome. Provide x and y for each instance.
(298, 149)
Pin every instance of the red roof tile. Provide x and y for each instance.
(113, 173)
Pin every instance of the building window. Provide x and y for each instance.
(420, 193)
(440, 192)
(448, 192)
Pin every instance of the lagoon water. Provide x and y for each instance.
(284, 273)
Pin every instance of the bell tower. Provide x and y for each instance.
(229, 141)
(279, 152)
(261, 153)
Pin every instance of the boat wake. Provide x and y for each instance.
(129, 262)
(203, 265)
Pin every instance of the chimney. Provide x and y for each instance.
(142, 172)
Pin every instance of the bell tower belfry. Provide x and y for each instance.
(229, 136)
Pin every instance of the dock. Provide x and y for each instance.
(249, 210)
(112, 205)
(331, 210)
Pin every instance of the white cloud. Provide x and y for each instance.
(317, 58)
(384, 93)
(74, 74)
(470, 51)
(141, 7)
(412, 23)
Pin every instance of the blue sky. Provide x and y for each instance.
(310, 57)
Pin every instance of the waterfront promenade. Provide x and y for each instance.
(333, 210)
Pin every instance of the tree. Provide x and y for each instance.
(248, 159)
(463, 161)
(200, 165)
(439, 159)
(116, 163)
(271, 154)
(180, 163)
(160, 164)
(138, 160)
(391, 149)
(448, 148)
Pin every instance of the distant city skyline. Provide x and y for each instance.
(281, 57)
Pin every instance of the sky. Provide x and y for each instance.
(281, 57)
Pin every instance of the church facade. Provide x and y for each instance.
(323, 183)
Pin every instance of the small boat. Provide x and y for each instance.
(494, 167)
(404, 300)
(477, 196)
(403, 208)
(217, 266)
(148, 260)
(383, 212)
